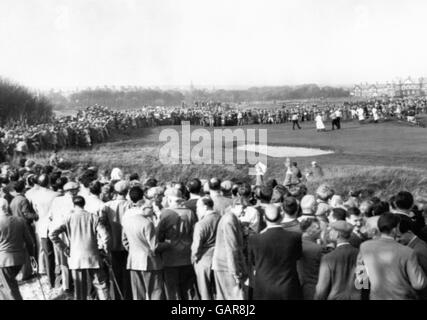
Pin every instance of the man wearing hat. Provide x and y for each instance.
(60, 209)
(87, 236)
(337, 272)
(176, 226)
(115, 210)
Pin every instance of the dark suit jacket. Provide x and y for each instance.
(292, 226)
(274, 254)
(337, 275)
(308, 267)
(204, 237)
(420, 248)
(15, 240)
(21, 207)
(176, 225)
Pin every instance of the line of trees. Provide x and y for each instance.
(19, 105)
(132, 98)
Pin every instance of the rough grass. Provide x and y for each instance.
(382, 180)
(386, 158)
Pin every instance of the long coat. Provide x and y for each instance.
(274, 254)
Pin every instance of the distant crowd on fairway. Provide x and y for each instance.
(96, 124)
(110, 235)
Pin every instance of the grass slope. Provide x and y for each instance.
(388, 156)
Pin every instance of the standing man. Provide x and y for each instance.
(115, 210)
(21, 207)
(295, 118)
(60, 210)
(15, 240)
(176, 227)
(220, 202)
(143, 261)
(338, 115)
(42, 200)
(86, 236)
(334, 119)
(228, 261)
(274, 254)
(194, 187)
(392, 268)
(290, 209)
(309, 264)
(203, 247)
(337, 272)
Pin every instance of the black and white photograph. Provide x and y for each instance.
(222, 150)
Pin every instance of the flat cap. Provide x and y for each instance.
(342, 226)
(226, 185)
(70, 186)
(121, 186)
(153, 192)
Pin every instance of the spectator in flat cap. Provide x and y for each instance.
(176, 226)
(144, 261)
(274, 254)
(337, 272)
(60, 209)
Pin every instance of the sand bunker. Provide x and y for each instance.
(283, 152)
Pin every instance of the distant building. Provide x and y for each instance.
(400, 88)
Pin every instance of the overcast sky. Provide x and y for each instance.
(63, 43)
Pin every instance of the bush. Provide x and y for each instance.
(19, 105)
